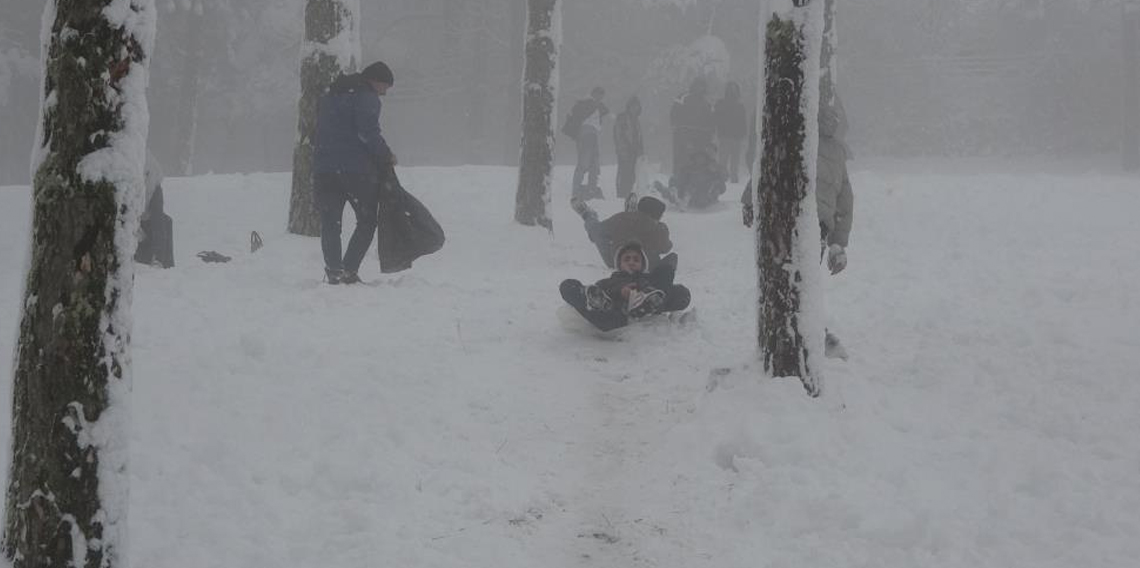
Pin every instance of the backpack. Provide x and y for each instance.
(577, 115)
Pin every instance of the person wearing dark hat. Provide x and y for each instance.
(349, 158)
(640, 223)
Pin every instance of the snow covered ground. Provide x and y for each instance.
(441, 417)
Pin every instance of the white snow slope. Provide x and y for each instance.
(442, 417)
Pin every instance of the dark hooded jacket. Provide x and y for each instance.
(693, 113)
(347, 137)
(632, 226)
(613, 285)
(582, 110)
(701, 182)
(730, 116)
(627, 131)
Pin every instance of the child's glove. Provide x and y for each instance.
(836, 258)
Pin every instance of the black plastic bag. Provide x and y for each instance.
(406, 229)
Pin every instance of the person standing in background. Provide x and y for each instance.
(731, 127)
(628, 145)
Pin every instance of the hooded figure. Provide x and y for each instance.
(156, 228)
(731, 128)
(642, 225)
(693, 124)
(834, 200)
(630, 292)
(628, 145)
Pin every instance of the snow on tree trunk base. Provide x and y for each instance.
(66, 501)
(331, 47)
(790, 334)
(540, 92)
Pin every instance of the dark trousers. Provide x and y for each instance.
(575, 294)
(589, 161)
(331, 192)
(626, 175)
(730, 157)
(677, 298)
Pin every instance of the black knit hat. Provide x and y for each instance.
(378, 73)
(651, 206)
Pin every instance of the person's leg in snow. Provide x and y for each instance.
(331, 192)
(644, 302)
(364, 197)
(626, 175)
(662, 275)
(330, 197)
(677, 298)
(595, 169)
(587, 167)
(591, 223)
(575, 294)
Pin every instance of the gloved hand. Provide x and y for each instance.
(836, 258)
(746, 212)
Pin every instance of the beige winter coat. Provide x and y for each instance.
(833, 195)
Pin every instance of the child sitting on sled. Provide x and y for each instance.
(630, 292)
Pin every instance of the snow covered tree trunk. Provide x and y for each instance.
(790, 331)
(827, 59)
(514, 92)
(66, 503)
(540, 92)
(331, 47)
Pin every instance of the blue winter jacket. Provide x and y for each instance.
(348, 138)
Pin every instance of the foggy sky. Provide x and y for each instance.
(1006, 78)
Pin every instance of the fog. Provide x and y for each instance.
(1009, 79)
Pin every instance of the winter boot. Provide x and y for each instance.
(592, 192)
(631, 202)
(669, 193)
(597, 300)
(642, 304)
(349, 278)
(582, 209)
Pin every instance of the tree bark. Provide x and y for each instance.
(514, 93)
(827, 60)
(66, 501)
(540, 91)
(785, 200)
(324, 21)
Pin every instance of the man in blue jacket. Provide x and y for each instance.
(349, 157)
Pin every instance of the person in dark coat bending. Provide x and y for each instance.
(349, 156)
(642, 225)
